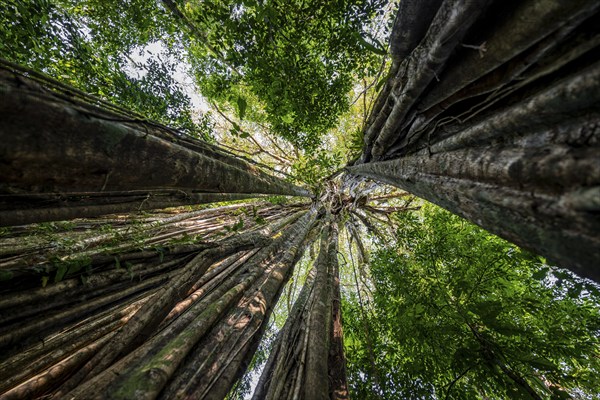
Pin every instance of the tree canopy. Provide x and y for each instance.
(459, 313)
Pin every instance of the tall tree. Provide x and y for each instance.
(190, 292)
(459, 313)
(489, 113)
(307, 360)
(94, 165)
(146, 302)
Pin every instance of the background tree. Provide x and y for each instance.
(91, 45)
(459, 313)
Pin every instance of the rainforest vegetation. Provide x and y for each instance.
(299, 199)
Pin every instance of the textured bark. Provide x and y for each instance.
(227, 352)
(316, 372)
(179, 357)
(514, 33)
(516, 36)
(511, 174)
(285, 365)
(90, 242)
(20, 210)
(411, 24)
(144, 323)
(506, 135)
(36, 386)
(307, 360)
(449, 26)
(53, 349)
(338, 386)
(62, 336)
(60, 146)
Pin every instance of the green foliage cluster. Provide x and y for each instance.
(313, 168)
(299, 58)
(459, 313)
(89, 44)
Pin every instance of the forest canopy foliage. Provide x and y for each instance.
(433, 307)
(299, 58)
(90, 45)
(459, 313)
(262, 60)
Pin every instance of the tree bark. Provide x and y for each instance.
(505, 134)
(307, 361)
(181, 358)
(338, 386)
(162, 301)
(59, 146)
(21, 210)
(447, 29)
(539, 190)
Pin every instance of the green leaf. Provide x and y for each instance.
(575, 291)
(541, 274)
(60, 273)
(288, 118)
(242, 104)
(238, 225)
(541, 363)
(129, 268)
(369, 46)
(235, 131)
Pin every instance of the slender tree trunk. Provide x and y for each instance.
(20, 210)
(338, 386)
(316, 372)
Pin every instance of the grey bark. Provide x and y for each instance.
(307, 359)
(56, 146)
(180, 351)
(506, 135)
(316, 383)
(64, 334)
(144, 322)
(424, 64)
(27, 209)
(411, 24)
(513, 175)
(227, 352)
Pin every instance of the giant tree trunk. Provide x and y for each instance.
(307, 361)
(495, 119)
(32, 208)
(64, 156)
(141, 332)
